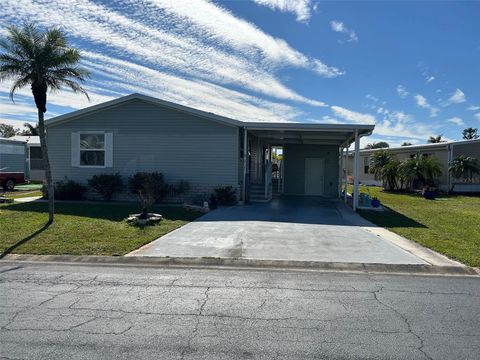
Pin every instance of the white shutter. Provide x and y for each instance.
(108, 149)
(75, 149)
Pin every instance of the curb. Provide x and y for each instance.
(246, 263)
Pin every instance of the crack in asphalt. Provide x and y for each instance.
(407, 323)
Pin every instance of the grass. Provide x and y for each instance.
(449, 225)
(81, 229)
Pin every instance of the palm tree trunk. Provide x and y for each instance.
(46, 164)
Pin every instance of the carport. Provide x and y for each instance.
(311, 161)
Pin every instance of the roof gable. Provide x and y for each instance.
(158, 102)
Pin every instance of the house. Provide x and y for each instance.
(444, 152)
(35, 169)
(13, 155)
(141, 133)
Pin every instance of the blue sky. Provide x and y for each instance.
(412, 68)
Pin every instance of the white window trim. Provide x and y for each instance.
(104, 151)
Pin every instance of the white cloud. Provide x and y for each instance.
(199, 94)
(429, 79)
(477, 116)
(301, 8)
(327, 71)
(456, 120)
(402, 91)
(340, 27)
(353, 116)
(371, 97)
(395, 123)
(196, 39)
(456, 98)
(423, 103)
(473, 108)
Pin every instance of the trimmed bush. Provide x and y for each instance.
(226, 195)
(106, 185)
(149, 187)
(66, 190)
(180, 188)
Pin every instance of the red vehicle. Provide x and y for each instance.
(8, 180)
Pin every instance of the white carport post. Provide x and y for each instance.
(245, 160)
(345, 174)
(340, 173)
(356, 171)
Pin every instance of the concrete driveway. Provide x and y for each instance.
(290, 228)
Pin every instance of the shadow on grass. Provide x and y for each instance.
(391, 218)
(111, 211)
(24, 240)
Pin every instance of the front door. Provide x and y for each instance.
(314, 176)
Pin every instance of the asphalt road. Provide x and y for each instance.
(109, 312)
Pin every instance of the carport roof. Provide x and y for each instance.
(301, 133)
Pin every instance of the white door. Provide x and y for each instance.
(314, 176)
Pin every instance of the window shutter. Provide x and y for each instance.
(108, 149)
(75, 149)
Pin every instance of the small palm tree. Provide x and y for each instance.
(42, 60)
(378, 160)
(435, 139)
(32, 130)
(428, 169)
(464, 167)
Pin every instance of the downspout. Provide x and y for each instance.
(449, 159)
(356, 171)
(245, 160)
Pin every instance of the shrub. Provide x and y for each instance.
(226, 195)
(180, 188)
(66, 190)
(106, 185)
(149, 187)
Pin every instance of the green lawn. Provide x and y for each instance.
(82, 228)
(449, 224)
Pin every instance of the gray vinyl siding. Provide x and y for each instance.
(148, 137)
(295, 156)
(12, 162)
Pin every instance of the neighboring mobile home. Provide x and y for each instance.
(22, 154)
(444, 152)
(140, 133)
(35, 168)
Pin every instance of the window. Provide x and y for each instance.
(366, 165)
(36, 160)
(92, 149)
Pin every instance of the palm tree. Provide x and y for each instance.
(406, 143)
(31, 130)
(377, 145)
(384, 166)
(435, 139)
(464, 167)
(42, 60)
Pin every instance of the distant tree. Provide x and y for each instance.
(377, 145)
(435, 139)
(31, 130)
(464, 167)
(41, 61)
(7, 131)
(470, 133)
(406, 143)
